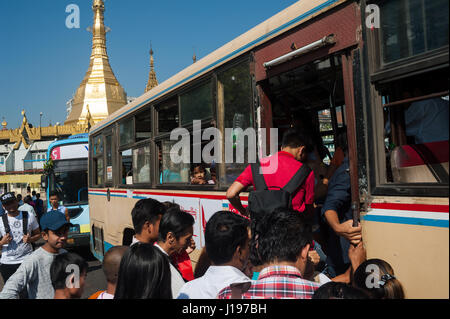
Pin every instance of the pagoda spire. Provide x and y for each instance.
(152, 81)
(99, 88)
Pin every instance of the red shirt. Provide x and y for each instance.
(279, 175)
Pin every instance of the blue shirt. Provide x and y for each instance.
(427, 120)
(339, 200)
(61, 209)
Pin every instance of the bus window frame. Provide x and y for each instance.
(380, 71)
(379, 74)
(253, 103)
(92, 169)
(106, 133)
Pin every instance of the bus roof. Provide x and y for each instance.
(294, 15)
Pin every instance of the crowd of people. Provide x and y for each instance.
(288, 242)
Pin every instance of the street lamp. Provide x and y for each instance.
(40, 119)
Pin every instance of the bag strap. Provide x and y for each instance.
(25, 222)
(258, 179)
(6, 223)
(298, 179)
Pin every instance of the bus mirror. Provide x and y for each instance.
(44, 181)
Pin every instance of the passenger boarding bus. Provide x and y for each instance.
(69, 177)
(326, 66)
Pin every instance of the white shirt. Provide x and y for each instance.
(16, 251)
(105, 295)
(212, 282)
(177, 280)
(28, 208)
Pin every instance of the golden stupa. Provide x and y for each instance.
(99, 94)
(152, 81)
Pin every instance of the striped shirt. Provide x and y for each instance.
(277, 282)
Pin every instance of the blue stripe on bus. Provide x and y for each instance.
(230, 55)
(407, 220)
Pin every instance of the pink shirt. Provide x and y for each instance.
(287, 167)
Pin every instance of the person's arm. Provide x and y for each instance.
(18, 281)
(35, 235)
(345, 229)
(357, 255)
(339, 197)
(233, 196)
(66, 213)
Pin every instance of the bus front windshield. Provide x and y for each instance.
(70, 181)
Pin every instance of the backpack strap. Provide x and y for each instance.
(298, 179)
(25, 222)
(6, 223)
(258, 179)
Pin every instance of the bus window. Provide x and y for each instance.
(126, 159)
(417, 129)
(196, 104)
(143, 122)
(411, 27)
(98, 145)
(126, 132)
(109, 166)
(168, 117)
(141, 164)
(98, 171)
(234, 109)
(97, 160)
(169, 171)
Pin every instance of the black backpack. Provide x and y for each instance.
(262, 200)
(24, 223)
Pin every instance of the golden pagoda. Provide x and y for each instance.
(152, 81)
(99, 93)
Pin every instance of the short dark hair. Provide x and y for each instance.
(339, 290)
(33, 193)
(19, 196)
(146, 210)
(224, 232)
(27, 199)
(144, 261)
(279, 236)
(175, 221)
(111, 262)
(38, 195)
(294, 138)
(58, 268)
(53, 193)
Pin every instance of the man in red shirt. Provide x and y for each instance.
(278, 170)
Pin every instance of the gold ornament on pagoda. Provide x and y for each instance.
(99, 94)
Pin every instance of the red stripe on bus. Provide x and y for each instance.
(412, 207)
(244, 198)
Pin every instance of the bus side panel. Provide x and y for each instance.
(418, 254)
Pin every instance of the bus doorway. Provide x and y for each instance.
(311, 99)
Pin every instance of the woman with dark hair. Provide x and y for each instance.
(376, 277)
(139, 262)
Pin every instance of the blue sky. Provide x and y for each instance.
(42, 62)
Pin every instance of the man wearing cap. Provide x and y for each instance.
(34, 273)
(16, 238)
